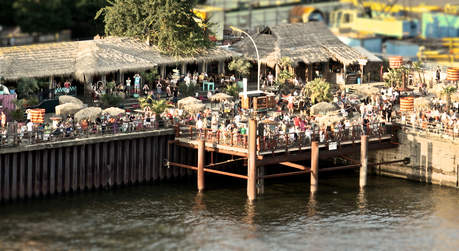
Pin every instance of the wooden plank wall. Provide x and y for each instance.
(88, 167)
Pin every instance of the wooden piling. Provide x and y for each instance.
(363, 160)
(252, 164)
(201, 163)
(314, 166)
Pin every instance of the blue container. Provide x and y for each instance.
(12, 92)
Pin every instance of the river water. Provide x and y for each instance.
(391, 214)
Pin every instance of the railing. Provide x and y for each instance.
(13, 136)
(436, 129)
(273, 141)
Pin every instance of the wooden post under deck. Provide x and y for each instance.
(363, 160)
(314, 166)
(252, 165)
(201, 163)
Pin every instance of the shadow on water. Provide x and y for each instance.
(173, 215)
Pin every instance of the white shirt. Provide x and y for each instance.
(29, 126)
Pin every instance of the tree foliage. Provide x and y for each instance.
(241, 66)
(318, 91)
(233, 90)
(43, 16)
(169, 24)
(156, 106)
(27, 87)
(285, 75)
(447, 91)
(51, 16)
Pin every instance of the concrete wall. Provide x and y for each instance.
(433, 159)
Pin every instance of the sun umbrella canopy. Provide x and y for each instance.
(90, 114)
(322, 108)
(114, 111)
(68, 109)
(220, 97)
(69, 99)
(422, 102)
(187, 101)
(194, 108)
(330, 119)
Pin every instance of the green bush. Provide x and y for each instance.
(17, 115)
(111, 100)
(188, 90)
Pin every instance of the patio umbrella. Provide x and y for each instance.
(322, 108)
(69, 99)
(186, 101)
(114, 111)
(68, 109)
(194, 108)
(90, 114)
(220, 97)
(422, 102)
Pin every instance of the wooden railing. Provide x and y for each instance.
(273, 141)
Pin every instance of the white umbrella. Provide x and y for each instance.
(114, 111)
(68, 109)
(186, 101)
(69, 99)
(90, 114)
(220, 97)
(194, 108)
(322, 108)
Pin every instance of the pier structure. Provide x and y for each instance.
(260, 155)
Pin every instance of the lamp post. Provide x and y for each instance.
(256, 50)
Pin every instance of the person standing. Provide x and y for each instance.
(438, 74)
(128, 86)
(137, 80)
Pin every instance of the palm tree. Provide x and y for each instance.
(448, 91)
(318, 91)
(233, 90)
(156, 106)
(241, 66)
(284, 75)
(419, 68)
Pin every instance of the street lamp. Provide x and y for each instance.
(256, 50)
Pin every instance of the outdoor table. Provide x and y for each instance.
(208, 86)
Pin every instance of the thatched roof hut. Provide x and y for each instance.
(87, 58)
(309, 43)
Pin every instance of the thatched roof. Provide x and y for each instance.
(309, 43)
(86, 58)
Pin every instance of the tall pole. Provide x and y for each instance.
(201, 163)
(252, 164)
(256, 50)
(314, 166)
(363, 160)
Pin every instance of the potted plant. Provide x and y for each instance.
(155, 106)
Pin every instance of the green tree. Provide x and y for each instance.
(83, 23)
(318, 91)
(169, 24)
(447, 92)
(43, 16)
(418, 67)
(233, 90)
(27, 87)
(241, 66)
(285, 74)
(7, 13)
